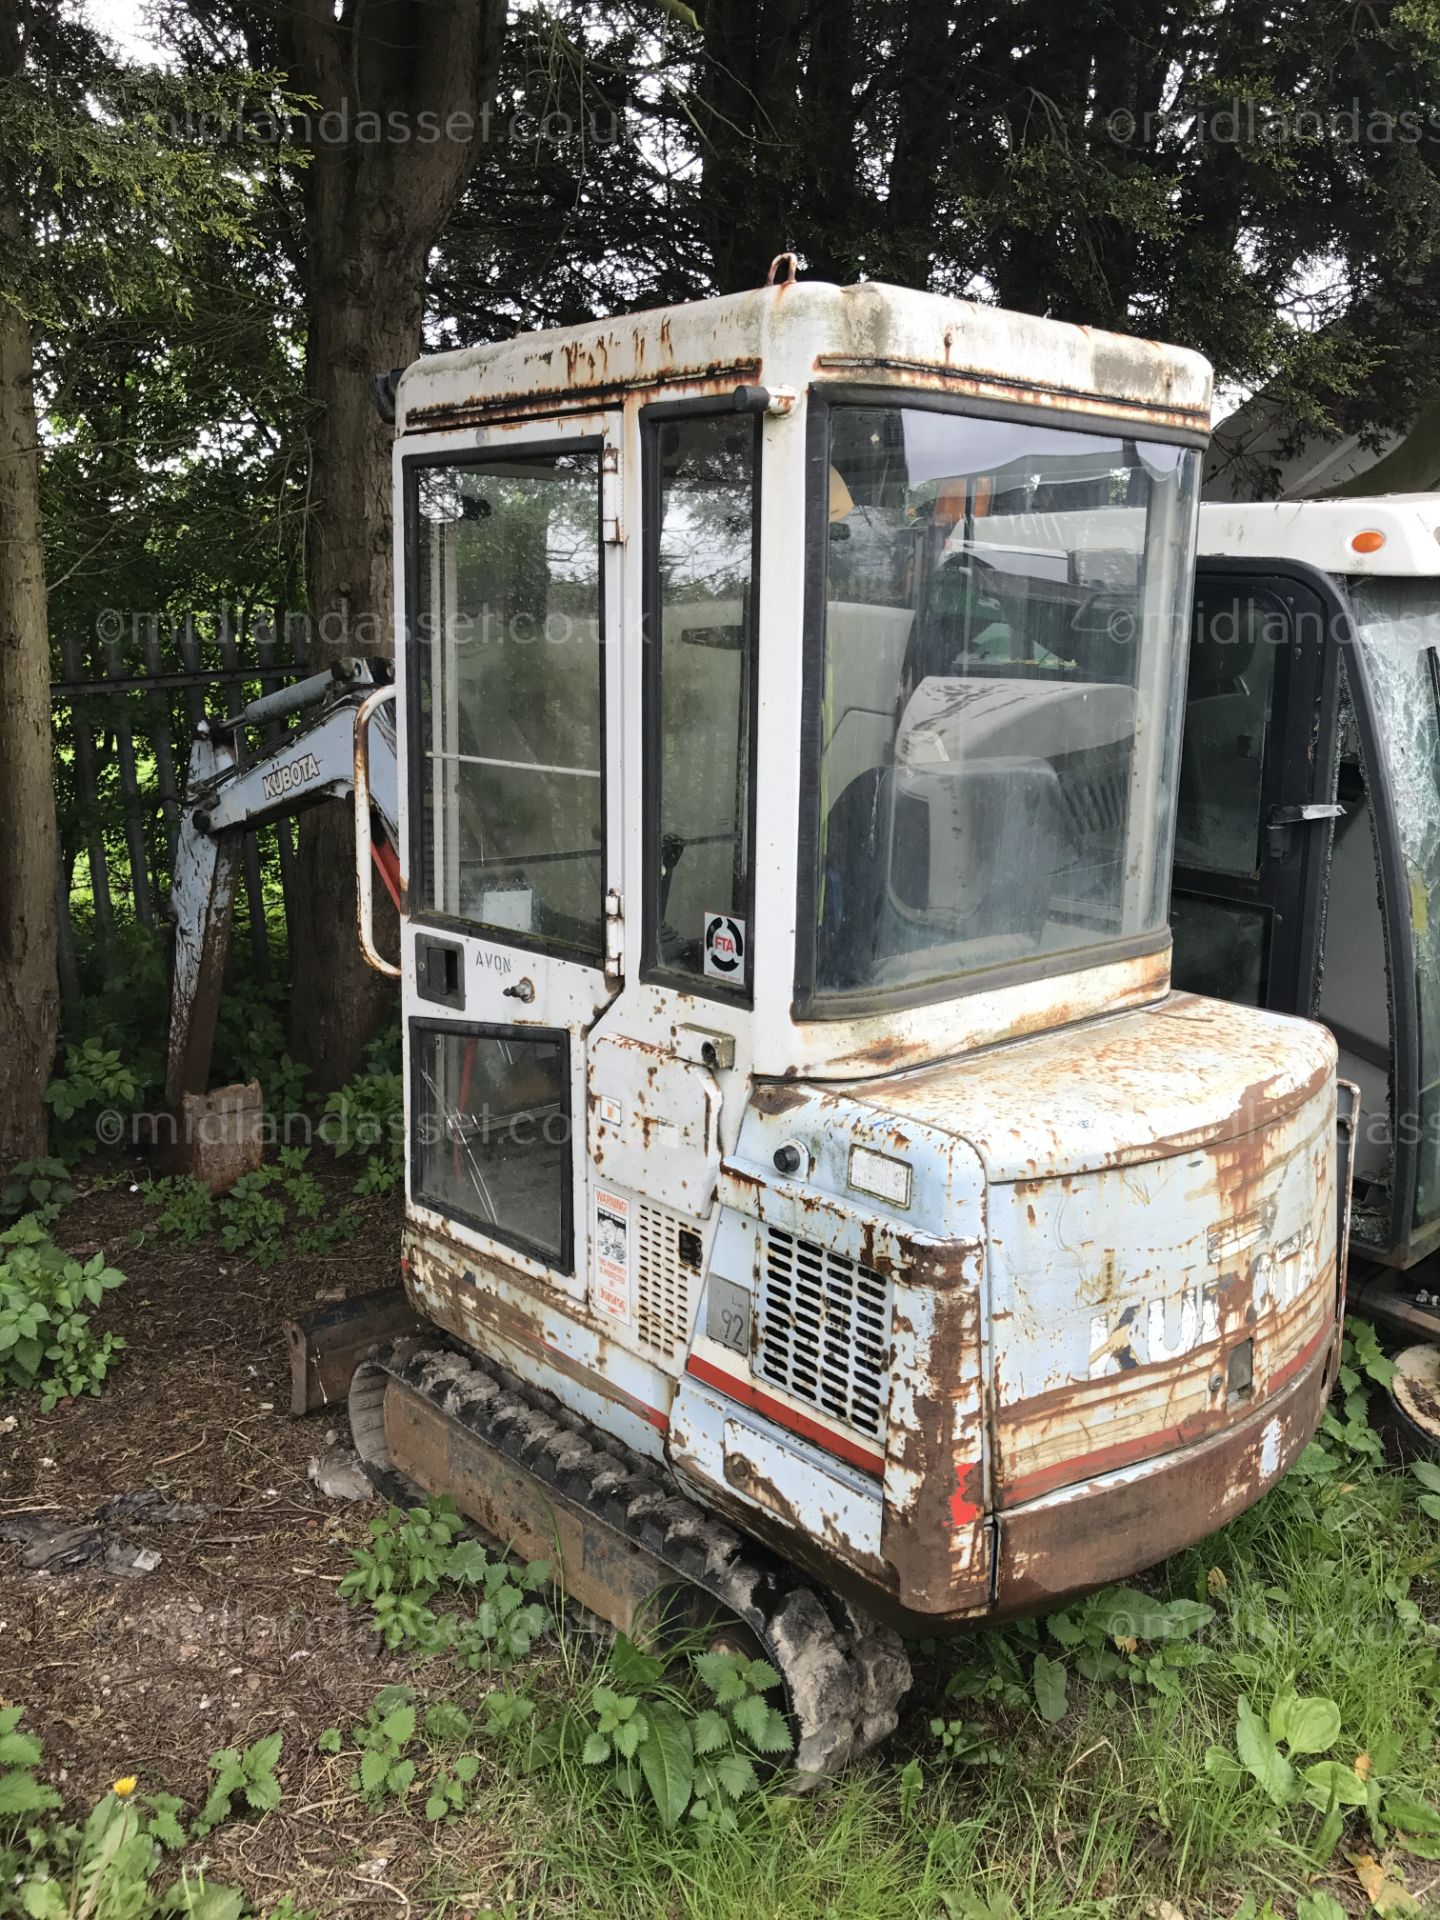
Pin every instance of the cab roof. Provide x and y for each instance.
(795, 334)
(1321, 533)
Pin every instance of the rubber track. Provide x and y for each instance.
(844, 1673)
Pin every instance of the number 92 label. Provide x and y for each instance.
(727, 1314)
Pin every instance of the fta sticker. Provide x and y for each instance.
(612, 1254)
(725, 948)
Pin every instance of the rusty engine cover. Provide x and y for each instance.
(1115, 1330)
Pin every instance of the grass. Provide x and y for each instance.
(1328, 1586)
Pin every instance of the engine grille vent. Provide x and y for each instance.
(667, 1271)
(824, 1329)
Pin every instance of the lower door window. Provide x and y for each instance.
(492, 1144)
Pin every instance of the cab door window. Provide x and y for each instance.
(507, 669)
(1233, 647)
(700, 631)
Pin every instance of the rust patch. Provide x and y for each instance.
(748, 1479)
(920, 373)
(447, 1285)
(574, 394)
(1080, 1541)
(774, 1097)
(933, 1531)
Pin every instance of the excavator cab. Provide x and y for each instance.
(821, 1208)
(1307, 861)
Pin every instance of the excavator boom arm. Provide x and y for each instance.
(228, 795)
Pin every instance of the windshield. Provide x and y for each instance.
(1398, 623)
(1001, 693)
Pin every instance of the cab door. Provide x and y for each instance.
(512, 703)
(1257, 795)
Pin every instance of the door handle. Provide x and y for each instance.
(364, 878)
(1280, 820)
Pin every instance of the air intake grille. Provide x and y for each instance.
(667, 1270)
(824, 1329)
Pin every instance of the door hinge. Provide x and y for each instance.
(612, 532)
(614, 937)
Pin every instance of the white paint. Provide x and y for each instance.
(1319, 532)
(1270, 1450)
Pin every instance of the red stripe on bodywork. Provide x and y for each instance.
(783, 1416)
(964, 1512)
(1288, 1372)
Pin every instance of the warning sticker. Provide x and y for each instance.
(725, 947)
(612, 1254)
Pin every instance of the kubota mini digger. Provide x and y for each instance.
(818, 1199)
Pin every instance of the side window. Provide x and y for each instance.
(700, 630)
(507, 677)
(1236, 640)
(492, 1133)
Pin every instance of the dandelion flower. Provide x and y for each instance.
(124, 1787)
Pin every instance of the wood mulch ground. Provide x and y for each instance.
(240, 1630)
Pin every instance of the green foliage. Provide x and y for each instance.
(392, 1742)
(267, 1216)
(1345, 1428)
(95, 1080)
(382, 1738)
(40, 1187)
(46, 1339)
(187, 1208)
(967, 1743)
(1123, 1633)
(1427, 1472)
(1278, 1752)
(106, 1871)
(645, 1736)
(414, 1557)
(21, 1793)
(109, 1868)
(247, 1775)
(368, 1115)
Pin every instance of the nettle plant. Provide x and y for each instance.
(418, 1558)
(644, 1734)
(394, 1742)
(46, 1339)
(1345, 1427)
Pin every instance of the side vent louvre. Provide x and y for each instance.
(824, 1327)
(667, 1272)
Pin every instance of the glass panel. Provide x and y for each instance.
(703, 597)
(1234, 642)
(1398, 622)
(492, 1134)
(1001, 706)
(508, 681)
(1354, 995)
(1219, 949)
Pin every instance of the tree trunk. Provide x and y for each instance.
(29, 1000)
(337, 1002)
(374, 209)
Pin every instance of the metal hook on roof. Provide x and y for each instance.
(792, 265)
